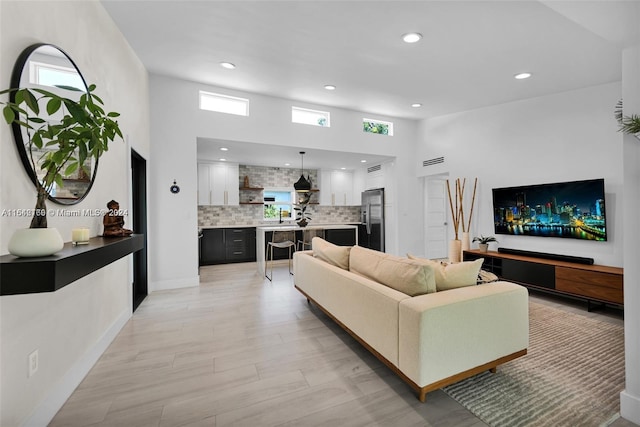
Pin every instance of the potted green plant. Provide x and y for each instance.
(628, 124)
(483, 242)
(302, 218)
(83, 132)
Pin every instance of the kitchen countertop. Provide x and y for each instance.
(276, 225)
(308, 227)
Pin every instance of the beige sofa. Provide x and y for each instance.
(430, 340)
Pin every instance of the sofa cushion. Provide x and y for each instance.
(407, 276)
(451, 276)
(328, 252)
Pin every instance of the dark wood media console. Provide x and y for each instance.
(592, 283)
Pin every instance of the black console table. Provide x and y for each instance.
(50, 273)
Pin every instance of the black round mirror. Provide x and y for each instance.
(48, 67)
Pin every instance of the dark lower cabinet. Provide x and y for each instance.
(212, 250)
(341, 236)
(228, 245)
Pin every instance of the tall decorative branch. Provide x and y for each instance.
(473, 199)
(454, 213)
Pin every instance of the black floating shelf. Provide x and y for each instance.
(50, 273)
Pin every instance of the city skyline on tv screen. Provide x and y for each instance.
(573, 209)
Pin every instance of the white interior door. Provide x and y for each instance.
(436, 204)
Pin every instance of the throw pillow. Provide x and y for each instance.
(455, 275)
(404, 275)
(328, 252)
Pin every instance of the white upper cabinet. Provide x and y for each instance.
(336, 188)
(218, 184)
(359, 185)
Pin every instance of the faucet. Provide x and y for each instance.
(280, 217)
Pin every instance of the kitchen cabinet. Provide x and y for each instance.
(228, 245)
(218, 184)
(336, 188)
(212, 249)
(359, 185)
(341, 236)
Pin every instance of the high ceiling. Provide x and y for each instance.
(467, 58)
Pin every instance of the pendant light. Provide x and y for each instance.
(302, 185)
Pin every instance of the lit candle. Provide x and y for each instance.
(80, 236)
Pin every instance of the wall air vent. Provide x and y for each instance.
(375, 168)
(432, 162)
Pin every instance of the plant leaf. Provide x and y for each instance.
(71, 168)
(9, 114)
(53, 105)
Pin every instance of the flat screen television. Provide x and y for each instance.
(573, 210)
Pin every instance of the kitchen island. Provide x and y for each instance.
(263, 231)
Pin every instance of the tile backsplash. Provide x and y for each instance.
(265, 177)
(260, 176)
(209, 216)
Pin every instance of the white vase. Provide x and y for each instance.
(483, 247)
(34, 242)
(455, 247)
(466, 243)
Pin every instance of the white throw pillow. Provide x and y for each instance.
(453, 276)
(328, 252)
(404, 275)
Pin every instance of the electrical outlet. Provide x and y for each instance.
(33, 363)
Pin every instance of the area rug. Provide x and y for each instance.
(571, 376)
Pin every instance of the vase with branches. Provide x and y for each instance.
(458, 218)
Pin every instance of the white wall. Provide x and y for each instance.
(563, 137)
(177, 122)
(70, 327)
(630, 397)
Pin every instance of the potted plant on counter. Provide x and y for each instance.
(483, 242)
(83, 132)
(302, 218)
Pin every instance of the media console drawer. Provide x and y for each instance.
(594, 284)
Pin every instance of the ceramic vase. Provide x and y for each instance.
(483, 247)
(466, 243)
(455, 249)
(35, 242)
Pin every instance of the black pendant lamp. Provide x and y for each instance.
(302, 185)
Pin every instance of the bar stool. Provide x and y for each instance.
(307, 235)
(279, 239)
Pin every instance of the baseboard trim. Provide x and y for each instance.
(163, 285)
(630, 407)
(49, 407)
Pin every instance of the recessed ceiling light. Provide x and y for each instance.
(224, 149)
(227, 65)
(343, 169)
(416, 105)
(223, 160)
(287, 164)
(363, 161)
(522, 76)
(329, 87)
(411, 37)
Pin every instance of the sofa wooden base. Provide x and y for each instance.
(420, 391)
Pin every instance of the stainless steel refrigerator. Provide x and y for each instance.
(371, 232)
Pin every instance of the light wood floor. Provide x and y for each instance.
(240, 350)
